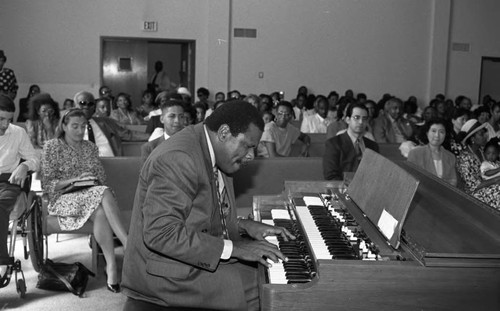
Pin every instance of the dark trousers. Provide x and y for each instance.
(8, 197)
(248, 273)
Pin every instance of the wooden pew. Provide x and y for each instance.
(267, 176)
(122, 176)
(138, 128)
(132, 148)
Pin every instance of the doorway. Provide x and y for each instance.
(128, 64)
(489, 83)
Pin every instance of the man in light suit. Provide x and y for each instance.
(107, 134)
(185, 246)
(172, 117)
(344, 151)
(391, 126)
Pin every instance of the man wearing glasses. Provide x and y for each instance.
(106, 133)
(280, 135)
(344, 151)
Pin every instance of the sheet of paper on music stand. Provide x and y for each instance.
(381, 185)
(387, 224)
(312, 201)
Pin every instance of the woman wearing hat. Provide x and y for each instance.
(469, 163)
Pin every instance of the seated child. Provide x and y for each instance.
(490, 168)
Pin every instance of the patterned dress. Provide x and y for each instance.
(60, 161)
(468, 166)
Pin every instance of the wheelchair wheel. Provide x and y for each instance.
(35, 235)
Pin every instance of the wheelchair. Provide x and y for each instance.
(18, 225)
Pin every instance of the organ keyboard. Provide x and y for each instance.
(446, 256)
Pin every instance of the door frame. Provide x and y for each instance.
(189, 45)
(483, 59)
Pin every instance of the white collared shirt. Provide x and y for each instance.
(18, 144)
(228, 244)
(101, 140)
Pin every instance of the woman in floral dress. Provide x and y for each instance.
(469, 163)
(69, 158)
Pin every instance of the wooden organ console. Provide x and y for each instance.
(395, 239)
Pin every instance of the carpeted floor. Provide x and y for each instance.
(69, 248)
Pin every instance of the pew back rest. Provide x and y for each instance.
(122, 176)
(267, 176)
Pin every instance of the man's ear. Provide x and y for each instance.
(223, 132)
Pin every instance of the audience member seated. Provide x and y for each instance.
(185, 95)
(106, 133)
(254, 100)
(147, 104)
(339, 124)
(24, 103)
(372, 114)
(344, 152)
(463, 102)
(43, 119)
(469, 165)
(490, 168)
(410, 110)
(172, 119)
(14, 145)
(190, 115)
(316, 123)
(266, 103)
(267, 116)
(300, 102)
(105, 91)
(458, 119)
(102, 107)
(279, 135)
(69, 158)
(433, 157)
(392, 127)
(494, 120)
(67, 104)
(201, 111)
(203, 94)
(429, 113)
(124, 113)
(220, 96)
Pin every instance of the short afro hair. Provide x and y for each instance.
(237, 114)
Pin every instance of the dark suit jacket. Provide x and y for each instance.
(340, 156)
(153, 123)
(384, 132)
(175, 236)
(148, 147)
(115, 133)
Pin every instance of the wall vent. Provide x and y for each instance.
(245, 33)
(460, 47)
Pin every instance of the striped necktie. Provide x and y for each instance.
(223, 200)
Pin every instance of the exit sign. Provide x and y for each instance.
(150, 26)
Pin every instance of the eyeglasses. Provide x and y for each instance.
(86, 104)
(284, 114)
(358, 118)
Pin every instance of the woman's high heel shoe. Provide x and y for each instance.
(115, 288)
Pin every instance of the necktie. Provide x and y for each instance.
(223, 203)
(91, 133)
(359, 153)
